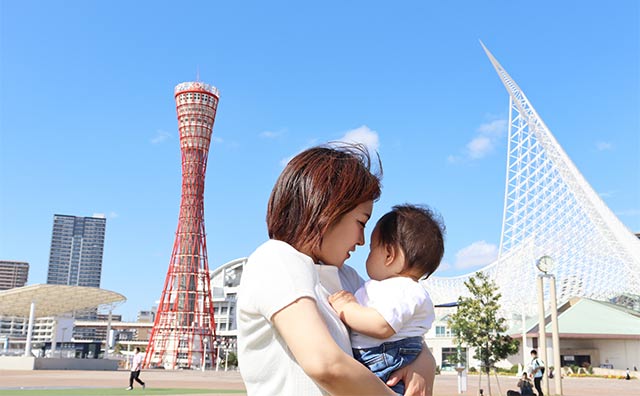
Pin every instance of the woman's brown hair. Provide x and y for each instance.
(316, 188)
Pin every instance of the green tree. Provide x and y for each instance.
(477, 324)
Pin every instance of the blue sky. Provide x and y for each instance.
(88, 124)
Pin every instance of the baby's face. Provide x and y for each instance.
(378, 255)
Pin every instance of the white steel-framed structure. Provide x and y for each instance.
(550, 209)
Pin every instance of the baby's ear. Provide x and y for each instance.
(390, 253)
(394, 255)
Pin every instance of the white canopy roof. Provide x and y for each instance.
(52, 300)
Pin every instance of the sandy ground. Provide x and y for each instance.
(446, 385)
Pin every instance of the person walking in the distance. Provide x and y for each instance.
(390, 313)
(537, 371)
(136, 366)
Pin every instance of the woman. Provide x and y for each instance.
(290, 341)
(526, 388)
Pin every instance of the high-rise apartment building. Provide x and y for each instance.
(75, 259)
(13, 274)
(77, 245)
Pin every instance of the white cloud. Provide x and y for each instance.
(495, 128)
(272, 134)
(160, 136)
(479, 147)
(604, 146)
(216, 139)
(113, 215)
(444, 266)
(628, 212)
(607, 194)
(488, 135)
(363, 135)
(477, 254)
(285, 161)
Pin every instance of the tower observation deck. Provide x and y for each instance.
(184, 324)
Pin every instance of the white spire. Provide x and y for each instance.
(550, 209)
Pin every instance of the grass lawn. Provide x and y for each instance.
(113, 392)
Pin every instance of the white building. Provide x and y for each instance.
(591, 332)
(224, 288)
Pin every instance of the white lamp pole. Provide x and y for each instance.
(542, 331)
(544, 265)
(555, 334)
(204, 353)
(218, 356)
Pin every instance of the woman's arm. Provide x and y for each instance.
(418, 377)
(305, 333)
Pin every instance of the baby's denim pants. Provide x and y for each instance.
(386, 358)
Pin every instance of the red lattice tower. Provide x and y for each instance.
(184, 327)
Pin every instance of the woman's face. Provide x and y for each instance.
(343, 236)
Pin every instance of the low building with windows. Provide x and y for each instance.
(224, 289)
(594, 333)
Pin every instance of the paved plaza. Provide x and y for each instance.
(446, 384)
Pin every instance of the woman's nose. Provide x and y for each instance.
(360, 239)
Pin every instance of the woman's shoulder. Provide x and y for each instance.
(277, 249)
(277, 258)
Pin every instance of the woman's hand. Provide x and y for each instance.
(418, 377)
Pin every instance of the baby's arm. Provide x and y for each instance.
(364, 320)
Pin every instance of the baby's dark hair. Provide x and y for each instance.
(419, 232)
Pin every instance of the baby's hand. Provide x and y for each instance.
(340, 299)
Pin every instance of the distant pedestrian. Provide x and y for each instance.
(628, 376)
(537, 371)
(525, 385)
(136, 366)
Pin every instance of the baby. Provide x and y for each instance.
(390, 313)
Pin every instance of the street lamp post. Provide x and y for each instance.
(64, 330)
(217, 343)
(542, 331)
(460, 368)
(204, 353)
(555, 336)
(544, 265)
